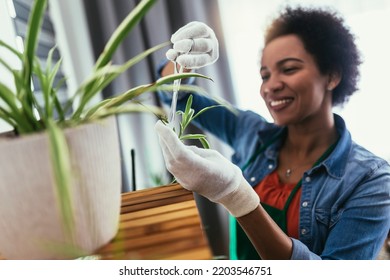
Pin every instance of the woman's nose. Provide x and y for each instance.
(272, 85)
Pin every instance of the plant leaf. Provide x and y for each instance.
(204, 143)
(170, 78)
(50, 86)
(188, 113)
(31, 42)
(105, 75)
(60, 158)
(121, 32)
(204, 110)
(8, 97)
(11, 49)
(5, 115)
(125, 109)
(10, 100)
(192, 136)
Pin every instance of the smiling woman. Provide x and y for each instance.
(320, 192)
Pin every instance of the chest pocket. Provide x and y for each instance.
(328, 217)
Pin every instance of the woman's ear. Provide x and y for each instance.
(334, 80)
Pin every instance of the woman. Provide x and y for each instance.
(322, 195)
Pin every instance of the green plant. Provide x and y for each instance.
(21, 110)
(187, 117)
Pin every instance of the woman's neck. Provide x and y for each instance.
(305, 143)
(309, 140)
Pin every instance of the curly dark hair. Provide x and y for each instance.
(327, 39)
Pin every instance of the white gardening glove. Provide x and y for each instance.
(207, 173)
(194, 46)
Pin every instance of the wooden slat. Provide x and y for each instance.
(153, 191)
(151, 240)
(128, 207)
(158, 223)
(157, 210)
(166, 226)
(154, 197)
(161, 218)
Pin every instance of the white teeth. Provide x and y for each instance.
(280, 102)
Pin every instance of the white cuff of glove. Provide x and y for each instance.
(242, 201)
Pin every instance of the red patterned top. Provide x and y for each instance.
(275, 194)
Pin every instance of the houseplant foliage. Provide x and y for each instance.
(187, 116)
(57, 126)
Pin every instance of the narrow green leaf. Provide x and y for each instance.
(50, 86)
(27, 111)
(186, 118)
(102, 77)
(31, 42)
(204, 143)
(188, 105)
(204, 110)
(6, 65)
(188, 113)
(43, 80)
(125, 109)
(8, 97)
(52, 73)
(121, 32)
(60, 158)
(49, 59)
(192, 136)
(11, 102)
(91, 87)
(96, 108)
(129, 95)
(11, 49)
(184, 88)
(60, 111)
(170, 78)
(6, 116)
(134, 92)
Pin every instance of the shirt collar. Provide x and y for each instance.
(335, 163)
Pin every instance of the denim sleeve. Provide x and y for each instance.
(301, 252)
(360, 229)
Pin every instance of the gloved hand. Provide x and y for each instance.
(207, 173)
(194, 46)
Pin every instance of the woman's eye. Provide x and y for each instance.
(290, 70)
(264, 77)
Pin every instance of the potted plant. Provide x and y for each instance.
(60, 168)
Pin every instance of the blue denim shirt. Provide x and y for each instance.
(345, 199)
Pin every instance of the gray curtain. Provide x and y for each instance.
(135, 130)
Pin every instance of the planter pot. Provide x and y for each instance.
(31, 226)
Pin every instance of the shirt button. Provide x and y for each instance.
(252, 179)
(305, 203)
(303, 231)
(270, 166)
(308, 179)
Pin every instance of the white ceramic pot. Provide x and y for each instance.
(30, 222)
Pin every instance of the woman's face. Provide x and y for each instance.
(293, 88)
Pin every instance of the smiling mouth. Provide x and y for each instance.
(281, 102)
